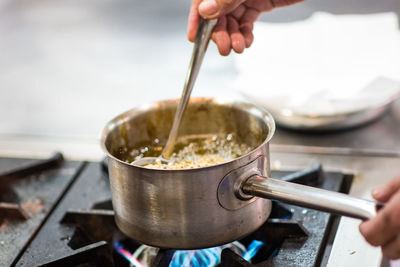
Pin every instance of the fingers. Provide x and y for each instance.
(384, 192)
(246, 24)
(211, 9)
(234, 29)
(193, 20)
(385, 227)
(235, 20)
(247, 31)
(392, 249)
(238, 12)
(250, 16)
(221, 37)
(378, 231)
(229, 35)
(237, 39)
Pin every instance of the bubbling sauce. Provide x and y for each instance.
(194, 152)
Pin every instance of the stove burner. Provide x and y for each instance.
(144, 256)
(258, 247)
(133, 259)
(253, 248)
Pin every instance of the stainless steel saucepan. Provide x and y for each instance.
(204, 207)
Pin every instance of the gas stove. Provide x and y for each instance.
(55, 213)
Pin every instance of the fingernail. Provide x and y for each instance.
(208, 7)
(377, 191)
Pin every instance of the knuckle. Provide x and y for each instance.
(226, 3)
(229, 4)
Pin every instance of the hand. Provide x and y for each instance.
(384, 229)
(234, 29)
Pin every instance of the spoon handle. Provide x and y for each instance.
(200, 46)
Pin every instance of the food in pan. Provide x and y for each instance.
(195, 152)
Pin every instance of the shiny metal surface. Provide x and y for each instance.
(338, 121)
(228, 194)
(200, 47)
(379, 135)
(310, 197)
(180, 208)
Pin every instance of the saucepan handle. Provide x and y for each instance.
(310, 197)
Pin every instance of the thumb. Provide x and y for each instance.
(384, 192)
(211, 9)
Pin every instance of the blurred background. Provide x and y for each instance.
(69, 66)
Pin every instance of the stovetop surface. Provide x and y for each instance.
(78, 194)
(36, 195)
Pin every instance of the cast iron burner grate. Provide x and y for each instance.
(10, 209)
(82, 232)
(29, 191)
(87, 233)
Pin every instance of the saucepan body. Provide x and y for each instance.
(181, 208)
(204, 207)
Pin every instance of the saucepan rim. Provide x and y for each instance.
(249, 107)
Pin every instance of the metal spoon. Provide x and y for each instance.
(200, 46)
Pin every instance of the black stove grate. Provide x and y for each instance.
(29, 190)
